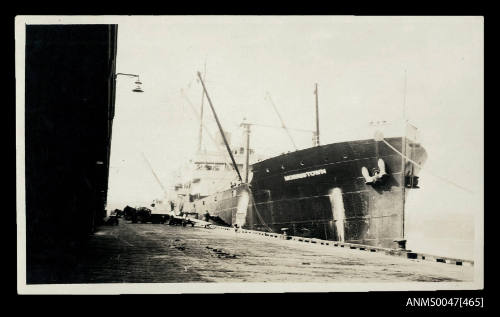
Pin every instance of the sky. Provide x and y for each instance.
(427, 70)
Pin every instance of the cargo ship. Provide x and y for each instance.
(351, 191)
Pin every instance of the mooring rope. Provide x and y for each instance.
(432, 173)
(258, 214)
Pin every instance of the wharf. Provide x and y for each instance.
(155, 253)
(362, 247)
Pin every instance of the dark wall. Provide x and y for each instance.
(70, 88)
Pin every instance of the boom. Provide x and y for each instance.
(220, 128)
(154, 174)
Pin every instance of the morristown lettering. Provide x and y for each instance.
(306, 174)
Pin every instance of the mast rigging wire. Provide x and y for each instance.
(219, 148)
(432, 173)
(281, 119)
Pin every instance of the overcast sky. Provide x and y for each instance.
(359, 64)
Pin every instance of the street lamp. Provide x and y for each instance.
(138, 88)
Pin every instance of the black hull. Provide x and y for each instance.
(320, 192)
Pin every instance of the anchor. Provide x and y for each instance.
(377, 174)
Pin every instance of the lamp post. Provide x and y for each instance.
(138, 88)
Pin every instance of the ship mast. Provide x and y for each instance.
(316, 134)
(246, 126)
(201, 111)
(403, 163)
(220, 128)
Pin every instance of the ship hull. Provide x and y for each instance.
(320, 192)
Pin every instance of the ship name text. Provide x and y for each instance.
(306, 174)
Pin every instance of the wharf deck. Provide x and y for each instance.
(156, 253)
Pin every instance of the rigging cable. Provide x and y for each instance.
(257, 212)
(281, 119)
(219, 148)
(420, 166)
(154, 174)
